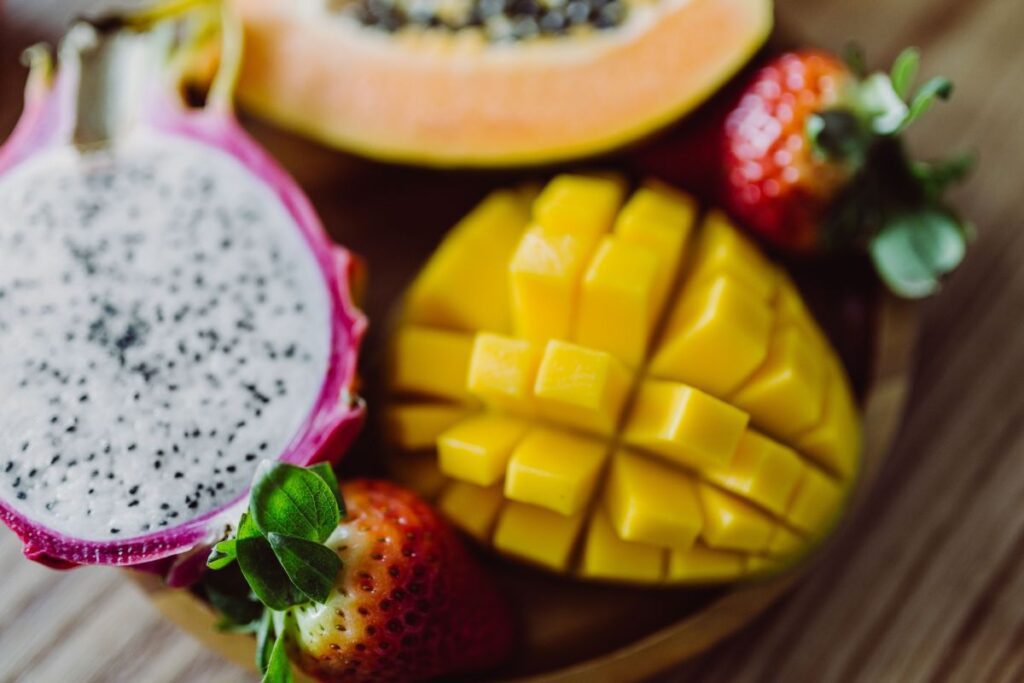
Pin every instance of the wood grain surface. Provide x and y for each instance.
(930, 583)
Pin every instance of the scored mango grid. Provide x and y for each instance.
(783, 541)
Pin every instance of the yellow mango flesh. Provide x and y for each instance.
(618, 389)
(482, 243)
(553, 469)
(619, 300)
(581, 388)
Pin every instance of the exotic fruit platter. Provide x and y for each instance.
(611, 398)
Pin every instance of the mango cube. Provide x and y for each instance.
(761, 470)
(619, 301)
(835, 442)
(785, 543)
(554, 470)
(701, 564)
(502, 371)
(583, 205)
(580, 387)
(786, 394)
(722, 250)
(816, 502)
(538, 535)
(464, 286)
(478, 449)
(717, 336)
(652, 503)
(416, 426)
(431, 362)
(472, 508)
(732, 524)
(684, 424)
(545, 274)
(611, 391)
(607, 556)
(660, 219)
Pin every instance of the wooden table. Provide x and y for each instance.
(930, 583)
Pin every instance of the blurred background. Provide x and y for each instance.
(930, 585)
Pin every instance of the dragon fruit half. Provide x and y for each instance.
(171, 310)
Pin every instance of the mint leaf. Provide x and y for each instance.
(293, 501)
(312, 567)
(222, 554)
(279, 669)
(326, 472)
(261, 569)
(265, 640)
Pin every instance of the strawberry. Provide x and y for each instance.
(812, 159)
(806, 152)
(409, 603)
(774, 182)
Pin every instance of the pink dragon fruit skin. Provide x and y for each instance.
(337, 415)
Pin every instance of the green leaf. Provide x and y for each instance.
(935, 88)
(904, 71)
(937, 177)
(312, 567)
(293, 501)
(222, 555)
(265, 640)
(279, 669)
(914, 251)
(261, 569)
(229, 593)
(225, 625)
(326, 472)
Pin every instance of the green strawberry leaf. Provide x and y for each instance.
(261, 569)
(231, 596)
(935, 88)
(914, 251)
(222, 554)
(326, 472)
(265, 641)
(293, 501)
(279, 669)
(312, 567)
(904, 71)
(936, 177)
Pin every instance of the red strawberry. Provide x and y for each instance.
(810, 157)
(775, 182)
(410, 602)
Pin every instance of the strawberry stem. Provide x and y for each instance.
(893, 206)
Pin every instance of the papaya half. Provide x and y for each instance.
(489, 83)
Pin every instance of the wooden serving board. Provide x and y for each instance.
(573, 631)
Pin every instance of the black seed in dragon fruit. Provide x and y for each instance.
(171, 313)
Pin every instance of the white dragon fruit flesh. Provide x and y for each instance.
(171, 312)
